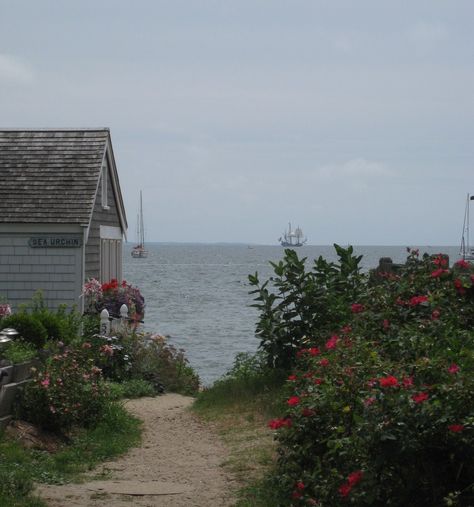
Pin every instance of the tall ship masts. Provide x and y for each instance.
(292, 237)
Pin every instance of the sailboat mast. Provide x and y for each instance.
(142, 232)
(468, 247)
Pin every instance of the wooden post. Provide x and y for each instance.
(104, 322)
(124, 317)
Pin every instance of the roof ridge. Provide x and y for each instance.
(98, 129)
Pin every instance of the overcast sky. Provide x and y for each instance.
(353, 119)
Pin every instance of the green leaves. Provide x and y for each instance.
(297, 302)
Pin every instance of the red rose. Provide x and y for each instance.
(293, 401)
(455, 428)
(454, 368)
(332, 342)
(344, 490)
(420, 397)
(389, 381)
(355, 477)
(461, 263)
(357, 308)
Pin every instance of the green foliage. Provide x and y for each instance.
(19, 351)
(155, 360)
(37, 324)
(110, 354)
(114, 434)
(247, 381)
(133, 388)
(68, 391)
(297, 306)
(29, 327)
(379, 408)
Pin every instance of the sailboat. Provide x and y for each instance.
(139, 251)
(292, 237)
(467, 252)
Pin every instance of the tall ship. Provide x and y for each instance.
(139, 251)
(292, 237)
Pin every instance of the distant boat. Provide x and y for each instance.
(292, 237)
(139, 251)
(467, 252)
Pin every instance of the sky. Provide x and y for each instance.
(352, 119)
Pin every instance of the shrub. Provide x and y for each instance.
(134, 388)
(29, 327)
(160, 363)
(379, 407)
(296, 304)
(19, 351)
(60, 325)
(68, 391)
(110, 355)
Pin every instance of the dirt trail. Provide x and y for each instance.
(178, 465)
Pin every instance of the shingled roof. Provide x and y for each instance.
(51, 176)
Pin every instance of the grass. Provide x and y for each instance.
(239, 407)
(20, 467)
(133, 388)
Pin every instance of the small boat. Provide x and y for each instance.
(138, 251)
(467, 252)
(292, 238)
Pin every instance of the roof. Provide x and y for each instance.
(52, 176)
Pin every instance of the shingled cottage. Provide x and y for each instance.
(62, 218)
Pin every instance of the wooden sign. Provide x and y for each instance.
(55, 241)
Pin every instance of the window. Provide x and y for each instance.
(110, 253)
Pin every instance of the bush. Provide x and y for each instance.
(29, 327)
(160, 363)
(18, 351)
(69, 391)
(379, 409)
(110, 355)
(301, 305)
(134, 388)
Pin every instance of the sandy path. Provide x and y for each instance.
(179, 465)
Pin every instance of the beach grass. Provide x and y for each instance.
(20, 467)
(238, 408)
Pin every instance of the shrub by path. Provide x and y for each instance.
(179, 465)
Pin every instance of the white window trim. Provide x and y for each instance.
(110, 232)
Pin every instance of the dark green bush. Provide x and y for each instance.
(297, 306)
(29, 327)
(155, 360)
(379, 406)
(67, 391)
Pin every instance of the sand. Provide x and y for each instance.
(179, 464)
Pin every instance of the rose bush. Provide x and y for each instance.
(379, 407)
(68, 391)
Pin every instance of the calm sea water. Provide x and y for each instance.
(197, 294)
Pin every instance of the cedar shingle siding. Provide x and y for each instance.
(50, 176)
(51, 185)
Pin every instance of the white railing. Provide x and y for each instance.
(108, 323)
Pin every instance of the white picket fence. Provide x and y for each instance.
(109, 324)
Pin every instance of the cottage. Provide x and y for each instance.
(62, 218)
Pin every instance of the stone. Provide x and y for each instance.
(138, 488)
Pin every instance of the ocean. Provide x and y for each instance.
(197, 294)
